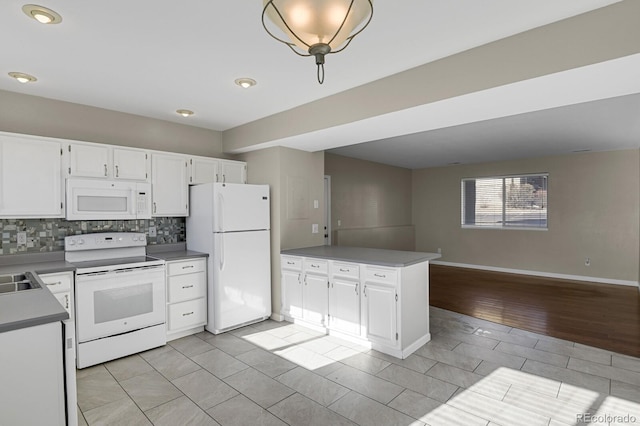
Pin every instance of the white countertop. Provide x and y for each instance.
(372, 256)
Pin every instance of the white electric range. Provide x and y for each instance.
(119, 296)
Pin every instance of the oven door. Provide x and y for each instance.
(115, 302)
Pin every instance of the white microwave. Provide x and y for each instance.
(93, 199)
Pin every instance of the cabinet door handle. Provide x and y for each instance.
(344, 270)
(117, 171)
(290, 263)
(379, 275)
(217, 180)
(364, 291)
(224, 178)
(356, 289)
(66, 301)
(187, 267)
(105, 169)
(187, 313)
(315, 266)
(53, 284)
(154, 206)
(187, 286)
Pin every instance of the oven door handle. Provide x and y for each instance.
(121, 271)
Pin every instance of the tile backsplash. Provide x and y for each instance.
(47, 235)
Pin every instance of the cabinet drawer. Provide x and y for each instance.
(382, 275)
(186, 287)
(291, 263)
(185, 266)
(347, 270)
(187, 314)
(316, 266)
(58, 282)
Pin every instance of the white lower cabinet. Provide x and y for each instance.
(344, 298)
(186, 297)
(305, 290)
(379, 313)
(315, 292)
(384, 307)
(61, 285)
(32, 376)
(291, 294)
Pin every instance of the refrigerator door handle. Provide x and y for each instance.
(220, 212)
(221, 251)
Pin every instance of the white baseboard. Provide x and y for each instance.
(539, 274)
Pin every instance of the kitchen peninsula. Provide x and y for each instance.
(372, 296)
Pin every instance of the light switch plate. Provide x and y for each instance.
(315, 204)
(22, 238)
(152, 231)
(314, 228)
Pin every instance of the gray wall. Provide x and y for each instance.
(35, 115)
(372, 201)
(593, 212)
(296, 178)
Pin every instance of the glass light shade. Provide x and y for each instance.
(185, 112)
(42, 14)
(318, 21)
(22, 77)
(245, 82)
(42, 17)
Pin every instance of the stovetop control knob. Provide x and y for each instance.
(134, 238)
(72, 242)
(80, 241)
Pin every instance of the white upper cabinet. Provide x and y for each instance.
(203, 170)
(31, 182)
(130, 164)
(107, 161)
(88, 160)
(207, 169)
(169, 185)
(233, 171)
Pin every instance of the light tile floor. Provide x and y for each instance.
(473, 372)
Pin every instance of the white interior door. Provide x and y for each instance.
(327, 210)
(241, 278)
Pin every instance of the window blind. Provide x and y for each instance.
(518, 201)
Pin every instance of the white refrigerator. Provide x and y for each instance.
(231, 223)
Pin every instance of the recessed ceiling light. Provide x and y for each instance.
(185, 112)
(22, 77)
(41, 14)
(245, 83)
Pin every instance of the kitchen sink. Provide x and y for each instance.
(17, 282)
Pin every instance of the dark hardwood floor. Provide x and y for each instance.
(600, 315)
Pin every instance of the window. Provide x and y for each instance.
(505, 202)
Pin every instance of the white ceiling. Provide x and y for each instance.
(151, 57)
(609, 124)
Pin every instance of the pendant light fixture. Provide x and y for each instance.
(317, 27)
